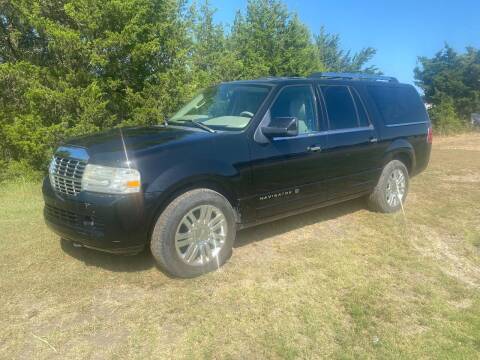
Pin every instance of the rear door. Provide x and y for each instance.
(287, 172)
(353, 161)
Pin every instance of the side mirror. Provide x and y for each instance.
(281, 127)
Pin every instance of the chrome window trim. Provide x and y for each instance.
(350, 130)
(300, 136)
(328, 132)
(407, 124)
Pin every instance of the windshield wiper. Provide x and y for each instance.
(197, 124)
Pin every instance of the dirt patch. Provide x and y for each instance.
(466, 179)
(442, 248)
(459, 142)
(462, 304)
(465, 147)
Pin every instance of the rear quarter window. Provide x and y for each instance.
(398, 104)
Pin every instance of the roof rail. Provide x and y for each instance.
(280, 78)
(353, 76)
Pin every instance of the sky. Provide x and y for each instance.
(400, 30)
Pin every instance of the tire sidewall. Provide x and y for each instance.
(163, 237)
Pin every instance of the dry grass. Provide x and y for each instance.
(340, 282)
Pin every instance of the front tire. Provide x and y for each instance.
(392, 188)
(194, 234)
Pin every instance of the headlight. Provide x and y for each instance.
(51, 171)
(110, 180)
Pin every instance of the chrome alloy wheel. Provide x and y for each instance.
(396, 188)
(201, 235)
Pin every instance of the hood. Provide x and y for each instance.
(114, 147)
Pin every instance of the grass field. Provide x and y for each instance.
(340, 282)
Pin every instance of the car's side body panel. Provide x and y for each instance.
(286, 179)
(264, 179)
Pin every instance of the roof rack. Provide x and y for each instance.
(280, 78)
(353, 76)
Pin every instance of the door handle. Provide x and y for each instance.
(373, 140)
(314, 148)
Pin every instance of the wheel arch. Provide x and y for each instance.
(403, 151)
(214, 183)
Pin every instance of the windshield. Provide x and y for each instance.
(223, 107)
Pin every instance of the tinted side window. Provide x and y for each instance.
(362, 113)
(340, 107)
(398, 104)
(298, 102)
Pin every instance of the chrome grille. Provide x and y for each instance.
(66, 175)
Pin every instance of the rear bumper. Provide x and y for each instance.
(117, 224)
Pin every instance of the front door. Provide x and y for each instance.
(287, 172)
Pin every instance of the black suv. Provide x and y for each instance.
(237, 155)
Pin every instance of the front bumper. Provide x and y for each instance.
(111, 223)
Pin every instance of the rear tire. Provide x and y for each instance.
(392, 188)
(194, 234)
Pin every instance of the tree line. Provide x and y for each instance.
(73, 67)
(451, 85)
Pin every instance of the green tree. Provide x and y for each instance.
(451, 84)
(444, 117)
(271, 41)
(72, 67)
(334, 58)
(212, 59)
